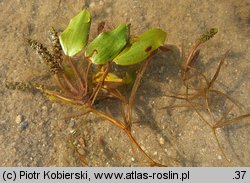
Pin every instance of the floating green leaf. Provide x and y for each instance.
(107, 45)
(142, 47)
(75, 36)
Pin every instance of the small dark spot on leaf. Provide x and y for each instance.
(148, 49)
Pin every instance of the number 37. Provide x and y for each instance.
(239, 174)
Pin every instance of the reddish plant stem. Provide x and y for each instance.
(77, 74)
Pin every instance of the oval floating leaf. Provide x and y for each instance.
(75, 36)
(142, 47)
(107, 45)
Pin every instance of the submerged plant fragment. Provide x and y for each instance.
(194, 52)
(200, 91)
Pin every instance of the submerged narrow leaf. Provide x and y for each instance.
(141, 47)
(107, 45)
(75, 36)
(111, 80)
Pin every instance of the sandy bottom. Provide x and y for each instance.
(34, 131)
